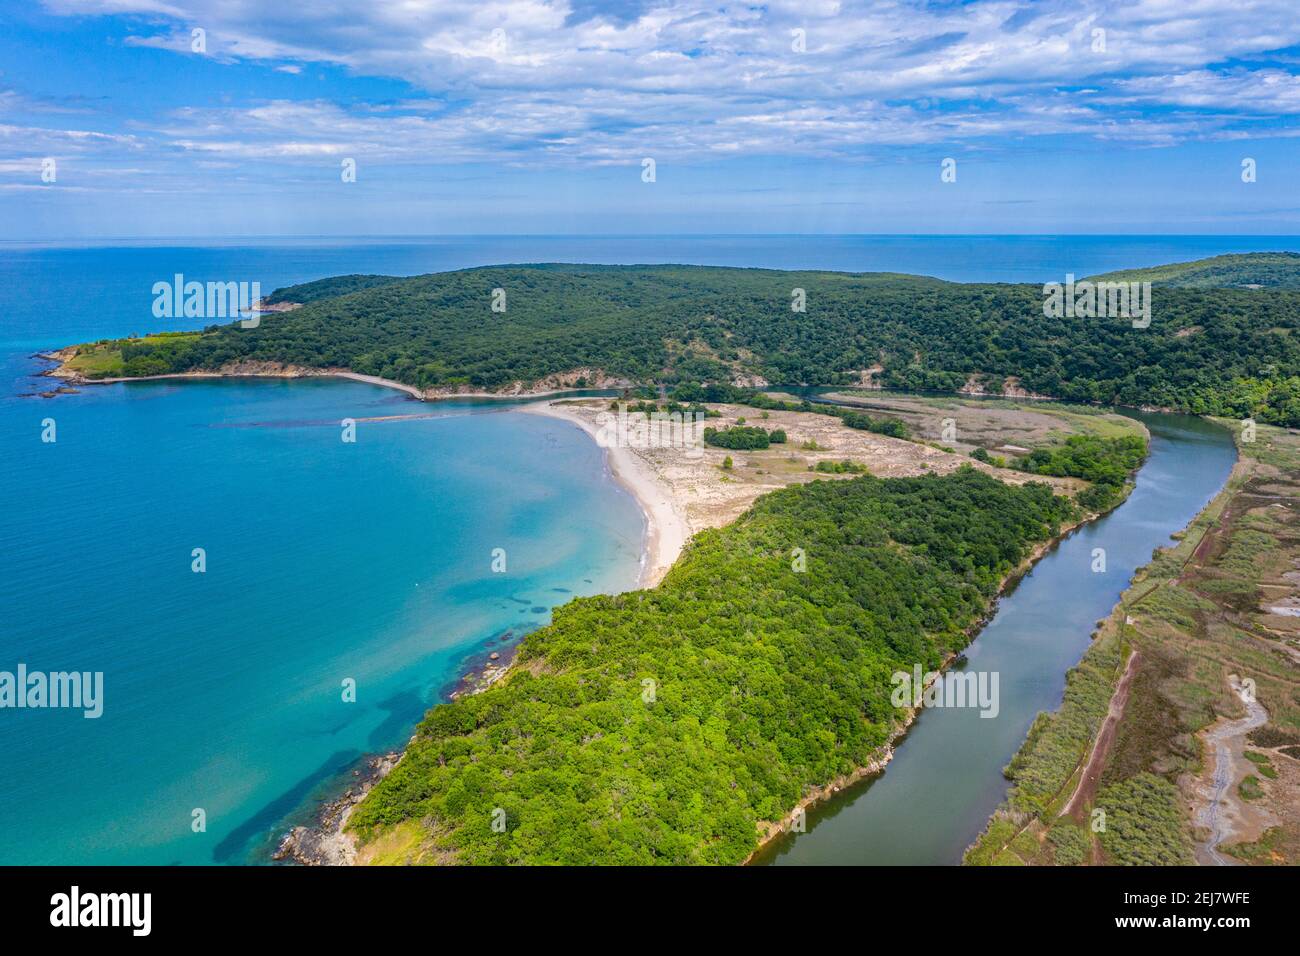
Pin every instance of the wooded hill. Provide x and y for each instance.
(1270, 270)
(1223, 351)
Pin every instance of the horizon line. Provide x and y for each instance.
(413, 237)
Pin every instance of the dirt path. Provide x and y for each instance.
(1087, 788)
(1220, 814)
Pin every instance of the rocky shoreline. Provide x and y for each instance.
(325, 842)
(557, 384)
(489, 667)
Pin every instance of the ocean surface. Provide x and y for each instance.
(326, 561)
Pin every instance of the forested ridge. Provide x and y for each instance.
(1278, 270)
(660, 726)
(328, 288)
(1223, 351)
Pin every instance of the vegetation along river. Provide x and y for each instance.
(946, 778)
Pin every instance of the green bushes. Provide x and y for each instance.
(739, 438)
(1070, 843)
(1106, 462)
(883, 426)
(839, 467)
(1144, 823)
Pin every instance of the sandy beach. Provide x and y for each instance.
(682, 494)
(667, 529)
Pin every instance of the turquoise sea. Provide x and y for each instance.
(326, 561)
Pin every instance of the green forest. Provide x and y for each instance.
(1222, 350)
(1106, 462)
(661, 726)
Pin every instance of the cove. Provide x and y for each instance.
(325, 561)
(934, 797)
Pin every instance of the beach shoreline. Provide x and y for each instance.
(667, 529)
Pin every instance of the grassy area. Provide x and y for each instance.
(1197, 613)
(1268, 849)
(989, 423)
(112, 358)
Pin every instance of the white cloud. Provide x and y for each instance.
(690, 79)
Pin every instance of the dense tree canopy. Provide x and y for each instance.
(1106, 462)
(1225, 351)
(1274, 270)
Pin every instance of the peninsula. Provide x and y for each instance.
(785, 578)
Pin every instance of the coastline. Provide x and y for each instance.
(667, 530)
(252, 369)
(326, 842)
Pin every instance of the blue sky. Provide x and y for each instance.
(481, 116)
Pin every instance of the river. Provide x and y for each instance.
(935, 796)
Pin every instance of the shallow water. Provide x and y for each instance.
(325, 561)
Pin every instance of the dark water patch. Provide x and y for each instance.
(405, 710)
(261, 828)
(324, 422)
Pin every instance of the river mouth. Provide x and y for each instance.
(935, 796)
